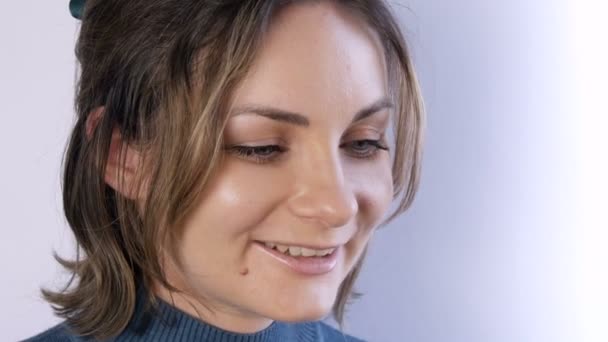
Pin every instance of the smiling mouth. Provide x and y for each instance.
(300, 260)
(297, 251)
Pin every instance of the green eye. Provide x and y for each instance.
(361, 149)
(259, 154)
(366, 149)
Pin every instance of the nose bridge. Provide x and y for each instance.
(321, 190)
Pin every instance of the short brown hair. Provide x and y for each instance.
(165, 70)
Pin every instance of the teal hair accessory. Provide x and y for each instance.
(76, 7)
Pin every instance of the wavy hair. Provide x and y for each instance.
(164, 71)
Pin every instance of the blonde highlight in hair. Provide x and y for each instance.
(164, 71)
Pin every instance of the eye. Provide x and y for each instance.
(366, 149)
(259, 154)
(362, 149)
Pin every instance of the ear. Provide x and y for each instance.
(132, 162)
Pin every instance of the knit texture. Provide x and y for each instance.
(171, 324)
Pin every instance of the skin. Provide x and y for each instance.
(325, 64)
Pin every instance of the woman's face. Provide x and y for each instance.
(319, 184)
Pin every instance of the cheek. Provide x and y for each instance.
(374, 189)
(219, 228)
(234, 203)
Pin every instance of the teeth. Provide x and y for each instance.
(300, 251)
(307, 252)
(295, 251)
(325, 252)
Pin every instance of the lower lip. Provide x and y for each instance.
(304, 265)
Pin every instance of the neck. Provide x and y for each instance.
(212, 312)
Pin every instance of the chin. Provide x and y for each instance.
(302, 314)
(300, 307)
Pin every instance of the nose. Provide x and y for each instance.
(321, 191)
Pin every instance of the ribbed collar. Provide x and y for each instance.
(172, 324)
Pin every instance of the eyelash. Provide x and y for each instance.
(249, 152)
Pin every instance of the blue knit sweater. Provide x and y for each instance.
(172, 324)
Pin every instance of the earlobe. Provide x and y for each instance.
(92, 121)
(114, 169)
(126, 164)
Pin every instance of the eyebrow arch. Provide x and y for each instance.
(301, 120)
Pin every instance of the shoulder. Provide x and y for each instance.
(327, 333)
(57, 333)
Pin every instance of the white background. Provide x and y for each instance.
(507, 238)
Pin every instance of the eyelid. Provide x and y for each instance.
(259, 142)
(371, 128)
(366, 134)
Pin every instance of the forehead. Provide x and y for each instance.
(316, 58)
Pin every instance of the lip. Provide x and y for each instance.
(304, 265)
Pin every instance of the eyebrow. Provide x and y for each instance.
(301, 120)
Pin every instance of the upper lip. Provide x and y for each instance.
(298, 244)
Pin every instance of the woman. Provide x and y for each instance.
(229, 164)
